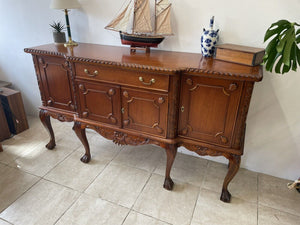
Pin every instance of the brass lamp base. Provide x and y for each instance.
(70, 43)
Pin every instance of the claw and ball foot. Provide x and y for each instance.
(51, 145)
(85, 158)
(171, 151)
(225, 196)
(168, 184)
(45, 119)
(80, 132)
(233, 167)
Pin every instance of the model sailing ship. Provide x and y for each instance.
(135, 25)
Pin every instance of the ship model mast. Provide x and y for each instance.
(135, 25)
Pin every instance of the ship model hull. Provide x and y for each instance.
(140, 40)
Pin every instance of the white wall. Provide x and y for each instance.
(273, 126)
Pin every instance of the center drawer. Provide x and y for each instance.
(132, 78)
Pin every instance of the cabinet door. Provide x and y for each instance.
(100, 102)
(56, 83)
(208, 109)
(145, 111)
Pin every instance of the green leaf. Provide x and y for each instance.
(297, 39)
(272, 44)
(278, 65)
(298, 54)
(284, 39)
(280, 26)
(290, 40)
(282, 50)
(271, 59)
(286, 68)
(294, 57)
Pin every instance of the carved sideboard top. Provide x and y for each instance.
(156, 60)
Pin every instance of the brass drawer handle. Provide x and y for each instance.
(91, 75)
(152, 81)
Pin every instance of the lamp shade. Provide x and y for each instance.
(64, 4)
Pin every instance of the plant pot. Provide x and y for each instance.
(59, 37)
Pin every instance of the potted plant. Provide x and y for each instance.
(282, 49)
(58, 36)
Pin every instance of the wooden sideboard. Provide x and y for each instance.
(170, 99)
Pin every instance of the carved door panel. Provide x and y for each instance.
(208, 109)
(145, 111)
(56, 83)
(100, 102)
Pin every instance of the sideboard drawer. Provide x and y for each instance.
(124, 77)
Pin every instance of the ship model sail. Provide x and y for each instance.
(135, 25)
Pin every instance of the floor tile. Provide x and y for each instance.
(2, 222)
(66, 134)
(140, 219)
(119, 184)
(186, 168)
(43, 204)
(18, 146)
(89, 210)
(2, 167)
(273, 192)
(35, 122)
(13, 183)
(97, 138)
(175, 207)
(36, 129)
(210, 210)
(145, 157)
(75, 174)
(102, 148)
(40, 160)
(243, 185)
(268, 216)
(121, 177)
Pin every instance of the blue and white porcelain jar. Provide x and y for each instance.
(209, 39)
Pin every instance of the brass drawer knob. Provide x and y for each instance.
(182, 108)
(152, 81)
(86, 71)
(50, 102)
(85, 114)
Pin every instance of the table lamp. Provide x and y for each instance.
(65, 5)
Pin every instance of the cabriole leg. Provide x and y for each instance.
(233, 167)
(171, 151)
(80, 132)
(45, 119)
(1, 149)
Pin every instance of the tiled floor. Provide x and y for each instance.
(123, 185)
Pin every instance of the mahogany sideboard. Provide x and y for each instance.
(170, 99)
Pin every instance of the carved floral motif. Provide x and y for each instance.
(201, 150)
(121, 138)
(243, 114)
(59, 116)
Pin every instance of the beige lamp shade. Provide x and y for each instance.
(64, 4)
